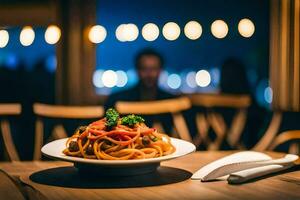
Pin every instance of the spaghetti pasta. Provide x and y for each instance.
(122, 141)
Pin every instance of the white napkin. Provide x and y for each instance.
(244, 156)
(243, 166)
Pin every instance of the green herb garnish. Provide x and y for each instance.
(112, 117)
(153, 138)
(131, 120)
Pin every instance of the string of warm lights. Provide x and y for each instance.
(171, 31)
(4, 38)
(119, 78)
(150, 32)
(130, 32)
(27, 36)
(52, 34)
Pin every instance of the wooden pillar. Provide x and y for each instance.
(284, 54)
(75, 53)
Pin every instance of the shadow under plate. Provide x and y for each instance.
(71, 178)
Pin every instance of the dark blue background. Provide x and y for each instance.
(181, 54)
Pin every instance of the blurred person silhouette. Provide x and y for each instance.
(234, 77)
(234, 80)
(148, 64)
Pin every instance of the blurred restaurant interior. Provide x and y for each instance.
(223, 74)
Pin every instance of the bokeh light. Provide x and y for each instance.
(131, 32)
(27, 36)
(4, 38)
(192, 30)
(52, 34)
(219, 29)
(122, 78)
(132, 77)
(174, 81)
(11, 61)
(263, 92)
(97, 34)
(203, 78)
(191, 79)
(215, 75)
(163, 78)
(246, 28)
(150, 32)
(51, 63)
(127, 32)
(120, 33)
(268, 94)
(171, 31)
(109, 78)
(97, 78)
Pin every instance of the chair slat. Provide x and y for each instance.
(285, 137)
(39, 138)
(70, 112)
(154, 107)
(181, 127)
(270, 134)
(203, 127)
(8, 141)
(237, 125)
(216, 121)
(10, 109)
(221, 100)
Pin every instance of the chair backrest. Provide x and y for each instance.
(271, 139)
(220, 100)
(270, 134)
(214, 120)
(9, 109)
(292, 136)
(154, 107)
(61, 112)
(172, 106)
(69, 112)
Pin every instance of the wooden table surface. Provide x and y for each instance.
(58, 180)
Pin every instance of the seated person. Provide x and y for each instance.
(148, 64)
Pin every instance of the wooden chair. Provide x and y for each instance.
(292, 136)
(61, 112)
(9, 110)
(214, 120)
(173, 106)
(270, 133)
(272, 140)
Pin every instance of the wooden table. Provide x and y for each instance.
(171, 182)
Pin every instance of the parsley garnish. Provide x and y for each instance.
(112, 117)
(131, 120)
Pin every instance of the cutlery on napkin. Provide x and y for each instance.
(248, 174)
(243, 166)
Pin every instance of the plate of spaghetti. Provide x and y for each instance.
(117, 141)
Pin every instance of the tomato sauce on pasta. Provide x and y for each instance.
(119, 142)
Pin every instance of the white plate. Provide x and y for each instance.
(54, 150)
